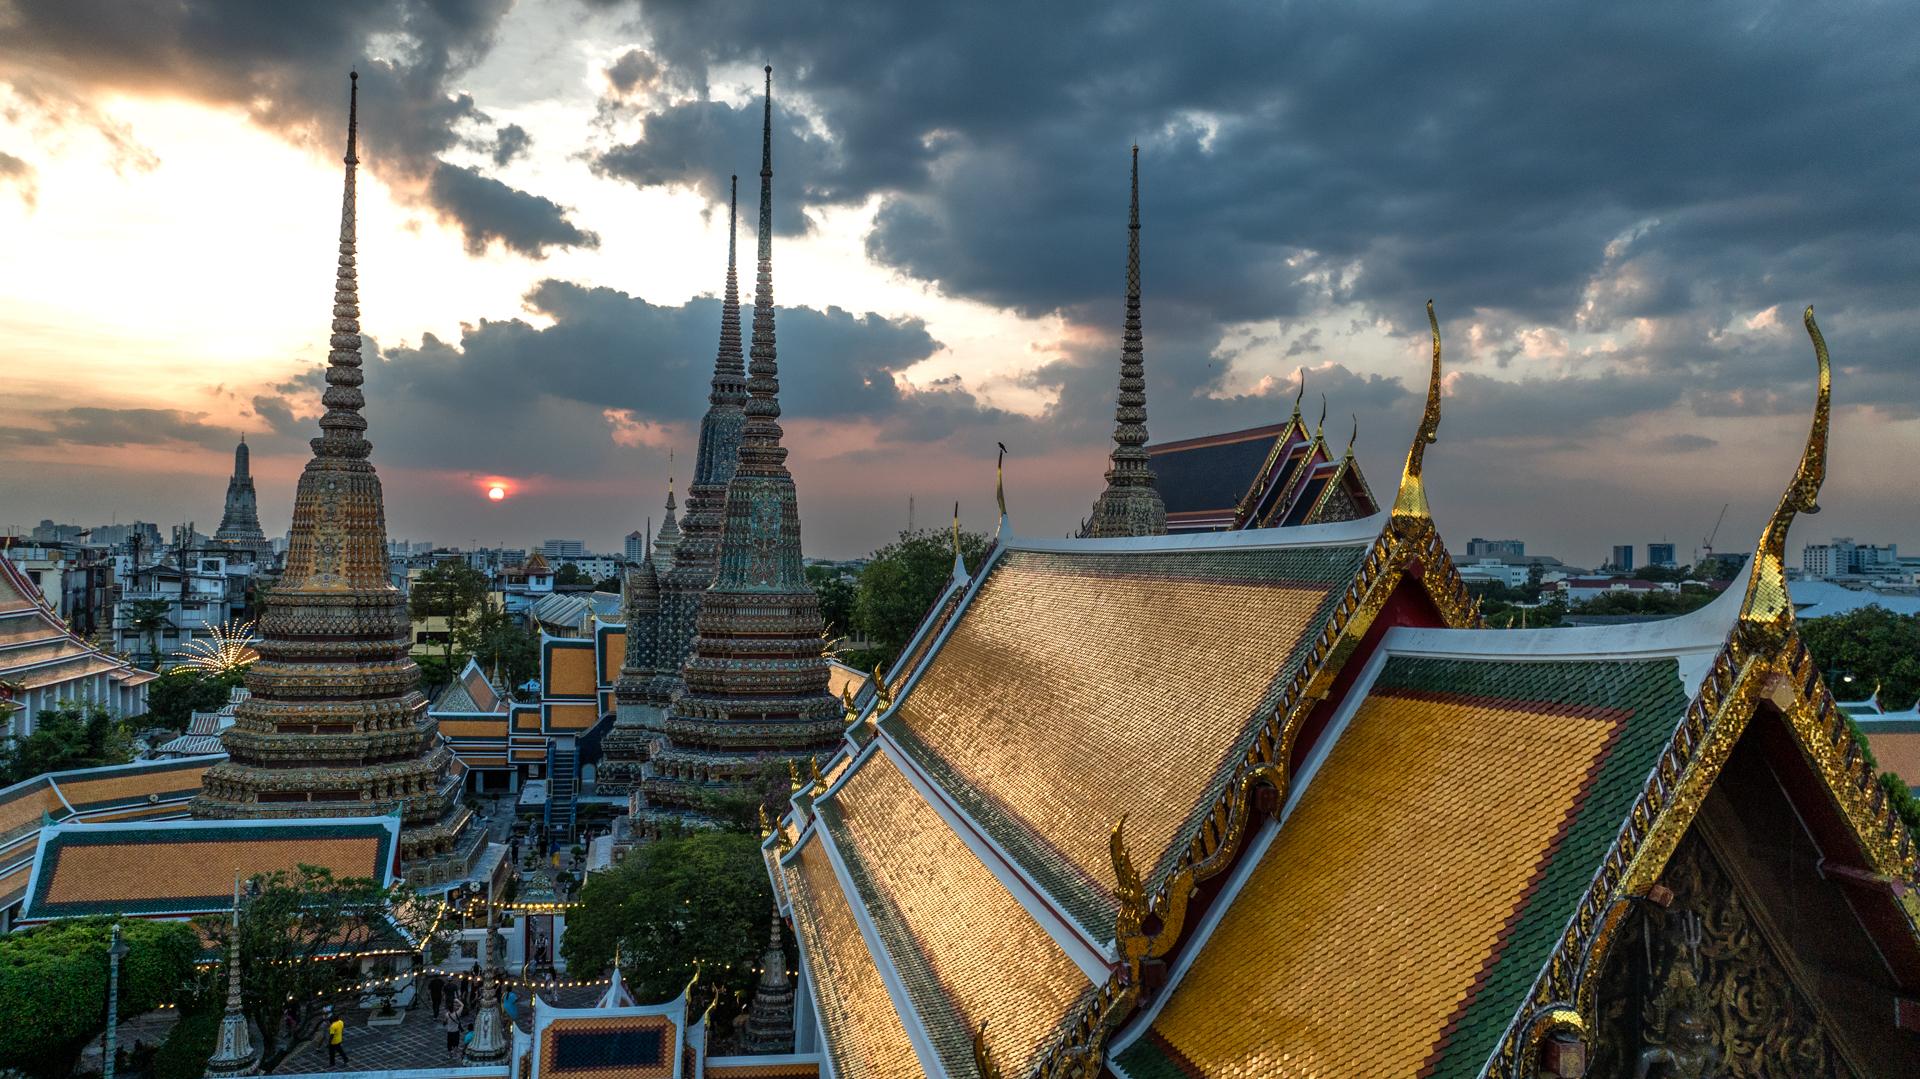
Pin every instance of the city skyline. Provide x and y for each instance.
(543, 218)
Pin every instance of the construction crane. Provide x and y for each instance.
(1706, 545)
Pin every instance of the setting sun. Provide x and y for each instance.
(496, 492)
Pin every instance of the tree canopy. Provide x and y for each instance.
(177, 694)
(901, 582)
(72, 736)
(491, 637)
(53, 985)
(701, 897)
(1872, 645)
(302, 934)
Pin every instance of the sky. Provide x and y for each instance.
(1619, 211)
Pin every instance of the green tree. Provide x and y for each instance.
(451, 590)
(53, 985)
(492, 637)
(71, 736)
(1872, 645)
(570, 574)
(302, 936)
(177, 694)
(837, 596)
(702, 897)
(901, 582)
(770, 789)
(1648, 603)
(148, 617)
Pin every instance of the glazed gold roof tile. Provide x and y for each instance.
(864, 1033)
(1898, 752)
(1077, 688)
(952, 930)
(161, 782)
(1360, 933)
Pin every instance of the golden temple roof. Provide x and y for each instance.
(1077, 686)
(864, 1033)
(950, 928)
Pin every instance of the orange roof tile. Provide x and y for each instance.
(1353, 944)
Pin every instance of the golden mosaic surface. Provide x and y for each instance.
(570, 672)
(839, 679)
(106, 872)
(1071, 699)
(972, 932)
(797, 1070)
(1353, 944)
(863, 1030)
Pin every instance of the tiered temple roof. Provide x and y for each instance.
(1265, 803)
(1262, 477)
(756, 682)
(335, 724)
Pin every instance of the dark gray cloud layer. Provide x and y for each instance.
(284, 64)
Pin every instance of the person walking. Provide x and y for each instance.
(451, 1024)
(437, 991)
(336, 1040)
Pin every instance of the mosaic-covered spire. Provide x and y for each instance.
(769, 1027)
(667, 543)
(233, 1052)
(240, 521)
(335, 724)
(490, 1041)
(1130, 505)
(691, 568)
(756, 683)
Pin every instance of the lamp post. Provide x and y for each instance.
(116, 950)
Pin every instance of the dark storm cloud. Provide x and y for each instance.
(489, 211)
(513, 397)
(283, 64)
(510, 142)
(1294, 155)
(21, 175)
(90, 426)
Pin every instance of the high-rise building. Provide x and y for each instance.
(1660, 554)
(335, 724)
(756, 683)
(1130, 505)
(1843, 557)
(563, 548)
(1622, 556)
(1496, 548)
(635, 548)
(240, 521)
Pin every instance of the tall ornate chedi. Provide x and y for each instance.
(756, 684)
(240, 522)
(664, 596)
(721, 429)
(336, 725)
(1130, 506)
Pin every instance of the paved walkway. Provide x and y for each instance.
(418, 1042)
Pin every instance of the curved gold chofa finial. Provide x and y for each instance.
(1354, 437)
(1766, 615)
(983, 1061)
(1412, 499)
(1128, 889)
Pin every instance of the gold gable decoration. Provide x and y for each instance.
(1153, 921)
(1764, 661)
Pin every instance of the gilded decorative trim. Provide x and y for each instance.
(1763, 661)
(1411, 501)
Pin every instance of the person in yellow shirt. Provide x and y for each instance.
(336, 1036)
